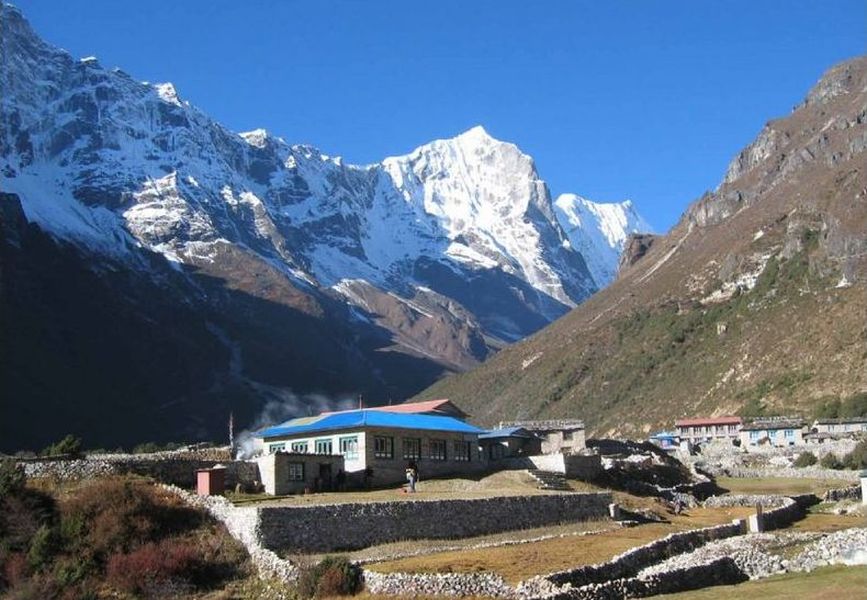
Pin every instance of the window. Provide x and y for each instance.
(462, 451)
(754, 435)
(323, 446)
(437, 449)
(383, 447)
(296, 471)
(411, 448)
(299, 447)
(790, 433)
(277, 447)
(567, 435)
(349, 447)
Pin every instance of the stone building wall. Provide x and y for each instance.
(327, 528)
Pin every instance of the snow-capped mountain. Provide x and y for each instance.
(452, 249)
(598, 231)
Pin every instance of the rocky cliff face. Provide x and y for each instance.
(417, 265)
(754, 301)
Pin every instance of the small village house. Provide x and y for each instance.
(510, 442)
(377, 444)
(701, 430)
(775, 431)
(556, 435)
(296, 473)
(841, 427)
(667, 440)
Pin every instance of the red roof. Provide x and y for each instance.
(703, 421)
(443, 406)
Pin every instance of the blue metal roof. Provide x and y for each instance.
(367, 418)
(505, 432)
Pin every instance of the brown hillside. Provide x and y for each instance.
(756, 299)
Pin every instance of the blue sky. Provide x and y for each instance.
(646, 100)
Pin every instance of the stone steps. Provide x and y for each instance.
(548, 480)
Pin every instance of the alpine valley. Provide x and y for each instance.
(754, 303)
(159, 271)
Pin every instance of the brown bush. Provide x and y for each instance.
(117, 515)
(13, 570)
(152, 563)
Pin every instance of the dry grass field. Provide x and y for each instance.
(518, 562)
(779, 485)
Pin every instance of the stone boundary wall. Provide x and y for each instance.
(438, 584)
(722, 571)
(243, 525)
(847, 493)
(166, 468)
(629, 563)
(775, 472)
(782, 510)
(331, 527)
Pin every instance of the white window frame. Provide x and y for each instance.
(348, 446)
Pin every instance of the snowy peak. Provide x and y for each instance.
(598, 231)
(105, 160)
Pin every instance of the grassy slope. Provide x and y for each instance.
(645, 350)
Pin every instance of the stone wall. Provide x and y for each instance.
(331, 527)
(242, 524)
(629, 563)
(164, 467)
(778, 511)
(488, 585)
(722, 571)
(852, 492)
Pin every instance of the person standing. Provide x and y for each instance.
(411, 476)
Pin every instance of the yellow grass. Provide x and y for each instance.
(519, 562)
(779, 485)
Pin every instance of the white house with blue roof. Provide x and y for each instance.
(377, 444)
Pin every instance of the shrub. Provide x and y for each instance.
(44, 545)
(855, 405)
(12, 478)
(13, 569)
(830, 461)
(151, 563)
(116, 515)
(70, 445)
(857, 459)
(333, 576)
(806, 459)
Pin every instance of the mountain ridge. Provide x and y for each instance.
(753, 302)
(378, 278)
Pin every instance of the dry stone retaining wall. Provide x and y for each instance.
(243, 524)
(330, 527)
(166, 468)
(847, 493)
(629, 563)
